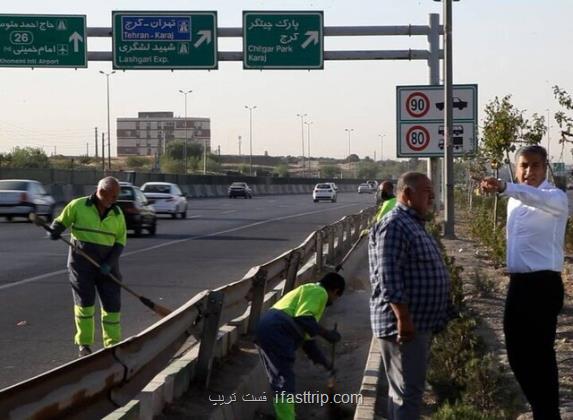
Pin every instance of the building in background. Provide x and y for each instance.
(150, 132)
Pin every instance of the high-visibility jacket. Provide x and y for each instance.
(82, 217)
(307, 300)
(100, 237)
(386, 206)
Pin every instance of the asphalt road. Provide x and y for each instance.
(217, 244)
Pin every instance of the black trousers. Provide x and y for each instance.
(530, 320)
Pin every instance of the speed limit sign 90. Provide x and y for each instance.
(417, 104)
(417, 138)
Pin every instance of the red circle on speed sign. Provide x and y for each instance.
(417, 138)
(417, 104)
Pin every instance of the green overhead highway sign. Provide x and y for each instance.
(283, 40)
(164, 40)
(43, 41)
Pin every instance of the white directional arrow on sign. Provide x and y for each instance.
(312, 37)
(206, 36)
(76, 39)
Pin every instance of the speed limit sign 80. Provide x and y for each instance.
(417, 138)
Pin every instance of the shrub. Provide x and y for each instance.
(460, 411)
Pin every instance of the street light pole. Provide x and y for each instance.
(250, 108)
(308, 124)
(302, 137)
(185, 93)
(108, 136)
(381, 145)
(548, 138)
(349, 130)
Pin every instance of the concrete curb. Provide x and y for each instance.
(365, 410)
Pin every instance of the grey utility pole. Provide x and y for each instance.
(302, 137)
(433, 169)
(108, 135)
(96, 149)
(185, 93)
(250, 108)
(308, 124)
(449, 231)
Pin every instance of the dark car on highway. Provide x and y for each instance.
(240, 189)
(137, 209)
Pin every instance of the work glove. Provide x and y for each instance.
(332, 336)
(105, 269)
(314, 354)
(55, 230)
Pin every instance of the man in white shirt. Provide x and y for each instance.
(537, 213)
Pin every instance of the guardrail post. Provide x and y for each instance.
(258, 294)
(356, 221)
(348, 227)
(319, 249)
(209, 337)
(293, 266)
(331, 234)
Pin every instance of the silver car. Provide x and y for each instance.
(20, 197)
(167, 198)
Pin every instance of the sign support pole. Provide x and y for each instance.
(448, 123)
(433, 168)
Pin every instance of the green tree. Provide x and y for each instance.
(136, 162)
(28, 157)
(175, 150)
(353, 158)
(329, 171)
(564, 121)
(367, 170)
(281, 170)
(171, 166)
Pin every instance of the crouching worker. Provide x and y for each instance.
(290, 323)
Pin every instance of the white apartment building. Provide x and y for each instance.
(150, 132)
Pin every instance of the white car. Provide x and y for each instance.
(365, 188)
(324, 191)
(167, 198)
(20, 197)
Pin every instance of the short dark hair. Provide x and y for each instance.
(333, 281)
(534, 149)
(409, 180)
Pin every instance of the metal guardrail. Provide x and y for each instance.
(96, 385)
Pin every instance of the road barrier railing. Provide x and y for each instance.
(96, 385)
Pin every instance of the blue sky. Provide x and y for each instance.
(517, 47)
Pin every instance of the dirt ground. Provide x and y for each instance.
(486, 297)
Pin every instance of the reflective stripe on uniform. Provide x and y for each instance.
(84, 320)
(111, 328)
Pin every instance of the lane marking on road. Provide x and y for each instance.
(31, 279)
(179, 241)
